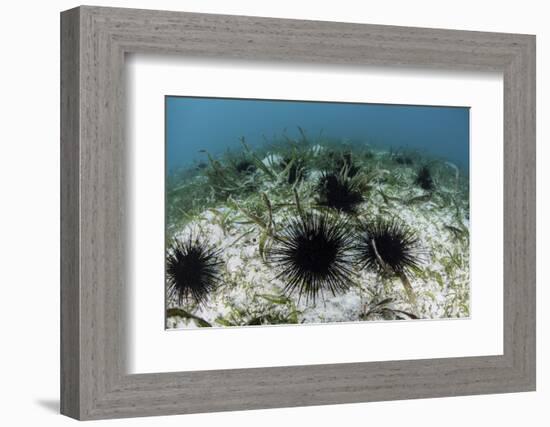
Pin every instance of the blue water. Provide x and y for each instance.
(214, 124)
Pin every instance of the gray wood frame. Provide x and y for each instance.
(94, 41)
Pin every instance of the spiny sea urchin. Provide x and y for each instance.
(313, 254)
(424, 179)
(346, 166)
(245, 167)
(338, 192)
(403, 160)
(388, 246)
(193, 270)
(296, 169)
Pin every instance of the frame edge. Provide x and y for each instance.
(70, 404)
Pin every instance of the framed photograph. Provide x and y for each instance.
(262, 213)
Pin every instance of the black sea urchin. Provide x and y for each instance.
(346, 166)
(338, 192)
(388, 246)
(403, 160)
(424, 179)
(193, 270)
(296, 169)
(245, 167)
(313, 255)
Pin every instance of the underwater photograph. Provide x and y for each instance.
(289, 212)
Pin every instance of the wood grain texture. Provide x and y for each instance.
(95, 40)
(70, 314)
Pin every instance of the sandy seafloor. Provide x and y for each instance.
(251, 294)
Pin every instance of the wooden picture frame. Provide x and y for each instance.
(94, 41)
